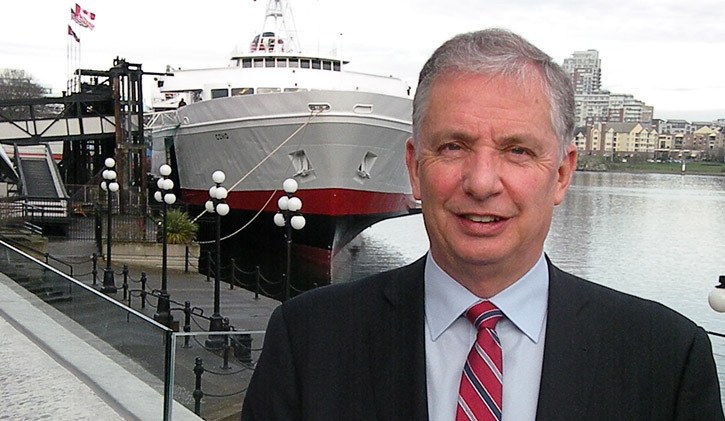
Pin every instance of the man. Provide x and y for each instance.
(490, 158)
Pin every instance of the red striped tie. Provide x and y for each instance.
(479, 397)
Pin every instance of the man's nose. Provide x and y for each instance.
(481, 174)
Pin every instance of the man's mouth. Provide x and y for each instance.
(483, 218)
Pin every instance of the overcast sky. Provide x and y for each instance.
(668, 53)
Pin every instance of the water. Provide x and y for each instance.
(657, 236)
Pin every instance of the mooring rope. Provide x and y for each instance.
(313, 114)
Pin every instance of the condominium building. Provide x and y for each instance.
(596, 105)
(585, 69)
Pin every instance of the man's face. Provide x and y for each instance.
(488, 173)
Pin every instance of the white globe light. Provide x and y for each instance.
(298, 222)
(168, 184)
(209, 206)
(212, 191)
(103, 186)
(283, 202)
(113, 186)
(112, 175)
(104, 174)
(279, 219)
(294, 204)
(170, 198)
(110, 162)
(165, 170)
(716, 298)
(160, 183)
(218, 176)
(221, 193)
(158, 196)
(290, 185)
(222, 209)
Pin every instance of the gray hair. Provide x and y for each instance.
(500, 52)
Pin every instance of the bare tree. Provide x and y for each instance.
(18, 84)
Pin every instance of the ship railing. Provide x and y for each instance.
(160, 119)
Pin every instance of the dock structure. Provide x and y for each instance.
(52, 146)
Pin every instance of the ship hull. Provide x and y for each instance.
(345, 149)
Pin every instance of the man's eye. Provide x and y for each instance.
(518, 151)
(451, 147)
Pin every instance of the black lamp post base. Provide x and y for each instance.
(109, 285)
(163, 311)
(216, 324)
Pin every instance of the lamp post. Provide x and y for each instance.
(289, 217)
(716, 298)
(218, 206)
(164, 196)
(110, 186)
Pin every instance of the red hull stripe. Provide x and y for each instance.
(332, 202)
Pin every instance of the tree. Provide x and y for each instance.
(18, 84)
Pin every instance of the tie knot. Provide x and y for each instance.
(484, 315)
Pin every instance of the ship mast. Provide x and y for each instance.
(278, 19)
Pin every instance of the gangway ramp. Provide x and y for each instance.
(41, 188)
(55, 129)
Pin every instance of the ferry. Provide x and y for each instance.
(275, 113)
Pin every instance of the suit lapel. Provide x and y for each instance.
(397, 345)
(571, 350)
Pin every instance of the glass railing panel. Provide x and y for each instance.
(212, 371)
(116, 338)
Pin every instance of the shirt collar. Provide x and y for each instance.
(524, 302)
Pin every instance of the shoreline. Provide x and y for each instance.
(644, 171)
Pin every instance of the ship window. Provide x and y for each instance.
(293, 89)
(305, 64)
(294, 62)
(326, 65)
(247, 63)
(315, 64)
(258, 62)
(219, 93)
(336, 66)
(268, 90)
(281, 62)
(242, 91)
(268, 62)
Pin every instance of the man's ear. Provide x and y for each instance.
(566, 171)
(412, 162)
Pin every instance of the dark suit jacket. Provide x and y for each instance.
(356, 351)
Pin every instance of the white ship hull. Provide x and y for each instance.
(348, 161)
(357, 145)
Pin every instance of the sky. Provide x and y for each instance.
(668, 53)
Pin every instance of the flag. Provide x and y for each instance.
(72, 32)
(82, 17)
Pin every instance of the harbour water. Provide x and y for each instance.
(661, 237)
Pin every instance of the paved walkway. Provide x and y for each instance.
(49, 372)
(35, 386)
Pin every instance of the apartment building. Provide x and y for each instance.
(618, 138)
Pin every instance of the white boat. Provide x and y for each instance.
(276, 113)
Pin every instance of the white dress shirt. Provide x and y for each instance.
(449, 337)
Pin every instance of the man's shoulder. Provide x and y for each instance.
(617, 305)
(366, 292)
